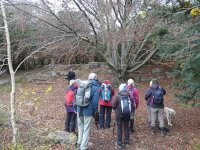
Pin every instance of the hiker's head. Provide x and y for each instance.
(122, 87)
(92, 76)
(154, 81)
(130, 82)
(106, 81)
(72, 82)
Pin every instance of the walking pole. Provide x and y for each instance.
(114, 128)
(96, 118)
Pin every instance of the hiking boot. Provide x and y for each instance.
(132, 130)
(153, 130)
(163, 132)
(127, 145)
(118, 146)
(149, 125)
(67, 130)
(101, 130)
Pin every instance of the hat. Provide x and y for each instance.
(106, 81)
(122, 87)
(72, 82)
(130, 82)
(92, 76)
(153, 81)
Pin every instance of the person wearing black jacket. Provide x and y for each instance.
(122, 120)
(156, 109)
(71, 75)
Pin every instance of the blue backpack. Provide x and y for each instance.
(106, 92)
(125, 102)
(157, 96)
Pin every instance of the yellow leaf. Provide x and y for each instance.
(33, 92)
(48, 89)
(142, 14)
(195, 11)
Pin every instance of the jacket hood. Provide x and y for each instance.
(154, 86)
(129, 87)
(95, 82)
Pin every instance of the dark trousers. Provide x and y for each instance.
(131, 125)
(105, 112)
(123, 126)
(70, 122)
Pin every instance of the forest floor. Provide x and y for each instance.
(40, 109)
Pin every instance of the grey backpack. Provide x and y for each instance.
(83, 93)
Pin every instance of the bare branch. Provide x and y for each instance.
(142, 45)
(89, 11)
(136, 67)
(119, 4)
(3, 61)
(14, 5)
(51, 12)
(115, 12)
(89, 20)
(86, 39)
(50, 43)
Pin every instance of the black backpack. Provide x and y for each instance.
(157, 96)
(125, 102)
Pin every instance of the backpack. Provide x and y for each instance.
(125, 104)
(69, 98)
(132, 95)
(83, 93)
(106, 92)
(157, 96)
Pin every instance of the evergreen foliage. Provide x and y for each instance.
(183, 47)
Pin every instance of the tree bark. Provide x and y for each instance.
(12, 75)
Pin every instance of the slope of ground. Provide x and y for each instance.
(40, 109)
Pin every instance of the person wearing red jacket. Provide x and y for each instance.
(106, 95)
(133, 91)
(69, 105)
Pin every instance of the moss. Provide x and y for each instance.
(18, 147)
(196, 146)
(5, 89)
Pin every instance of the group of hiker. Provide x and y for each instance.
(84, 97)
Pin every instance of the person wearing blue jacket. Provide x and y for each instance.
(85, 114)
(156, 109)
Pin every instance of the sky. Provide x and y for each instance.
(56, 3)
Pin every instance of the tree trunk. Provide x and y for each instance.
(12, 75)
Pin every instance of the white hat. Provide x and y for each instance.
(92, 76)
(71, 82)
(122, 87)
(130, 82)
(154, 81)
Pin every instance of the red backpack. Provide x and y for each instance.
(69, 98)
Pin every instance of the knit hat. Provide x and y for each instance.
(153, 81)
(106, 81)
(72, 82)
(92, 76)
(122, 87)
(130, 82)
